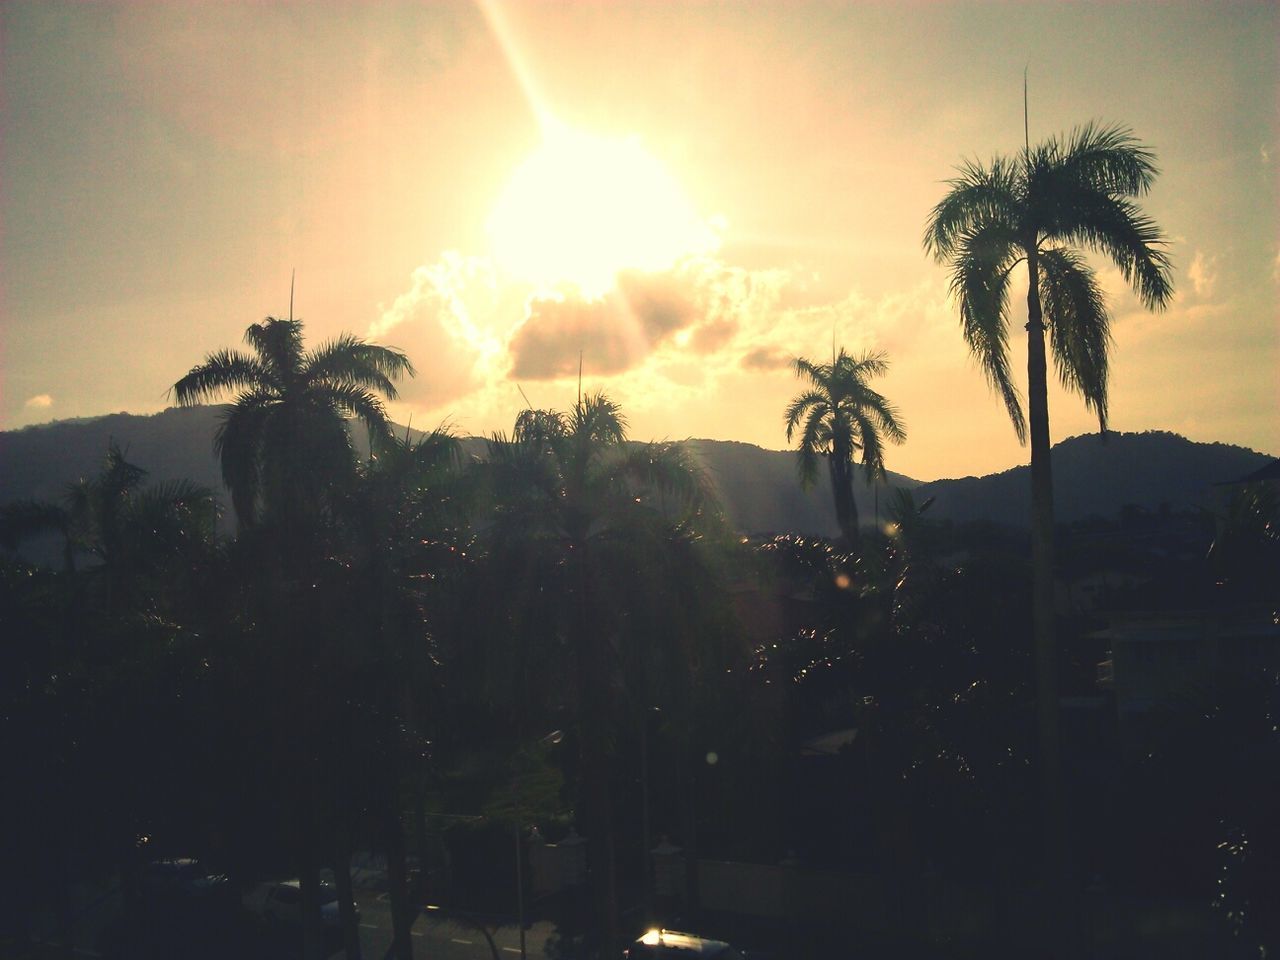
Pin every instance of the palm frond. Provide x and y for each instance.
(979, 197)
(1116, 228)
(221, 371)
(885, 417)
(816, 374)
(173, 513)
(516, 472)
(80, 497)
(278, 344)
(538, 426)
(437, 450)
(351, 399)
(238, 444)
(980, 282)
(119, 478)
(348, 359)
(872, 446)
(669, 470)
(1105, 158)
(797, 408)
(873, 363)
(1079, 326)
(813, 443)
(186, 495)
(598, 419)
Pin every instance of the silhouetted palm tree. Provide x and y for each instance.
(1038, 208)
(396, 522)
(576, 500)
(838, 416)
(284, 438)
(131, 531)
(286, 455)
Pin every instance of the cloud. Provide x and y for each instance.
(557, 332)
(661, 303)
(697, 308)
(766, 358)
(918, 321)
(1203, 274)
(713, 335)
(443, 322)
(41, 401)
(660, 341)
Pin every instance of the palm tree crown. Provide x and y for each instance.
(285, 434)
(580, 478)
(838, 415)
(1074, 192)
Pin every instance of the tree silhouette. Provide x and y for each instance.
(286, 457)
(396, 526)
(838, 415)
(284, 438)
(1038, 208)
(575, 502)
(132, 532)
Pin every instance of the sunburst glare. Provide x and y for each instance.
(582, 207)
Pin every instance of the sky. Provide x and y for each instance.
(686, 196)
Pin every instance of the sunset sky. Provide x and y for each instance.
(690, 194)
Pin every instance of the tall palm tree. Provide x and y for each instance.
(1039, 209)
(838, 415)
(284, 438)
(397, 522)
(286, 456)
(577, 502)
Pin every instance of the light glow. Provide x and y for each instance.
(582, 208)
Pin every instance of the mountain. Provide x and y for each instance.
(1097, 475)
(759, 489)
(761, 492)
(39, 462)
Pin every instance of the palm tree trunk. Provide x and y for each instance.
(688, 775)
(842, 492)
(592, 718)
(1053, 819)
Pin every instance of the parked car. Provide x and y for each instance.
(672, 945)
(280, 902)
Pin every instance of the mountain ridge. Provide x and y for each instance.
(1093, 474)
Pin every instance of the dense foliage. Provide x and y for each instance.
(565, 633)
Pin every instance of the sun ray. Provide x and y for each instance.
(501, 29)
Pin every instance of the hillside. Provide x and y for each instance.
(761, 492)
(1097, 475)
(758, 487)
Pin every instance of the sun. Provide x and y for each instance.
(582, 208)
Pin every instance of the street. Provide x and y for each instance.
(236, 936)
(440, 936)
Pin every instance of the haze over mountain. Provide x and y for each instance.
(759, 488)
